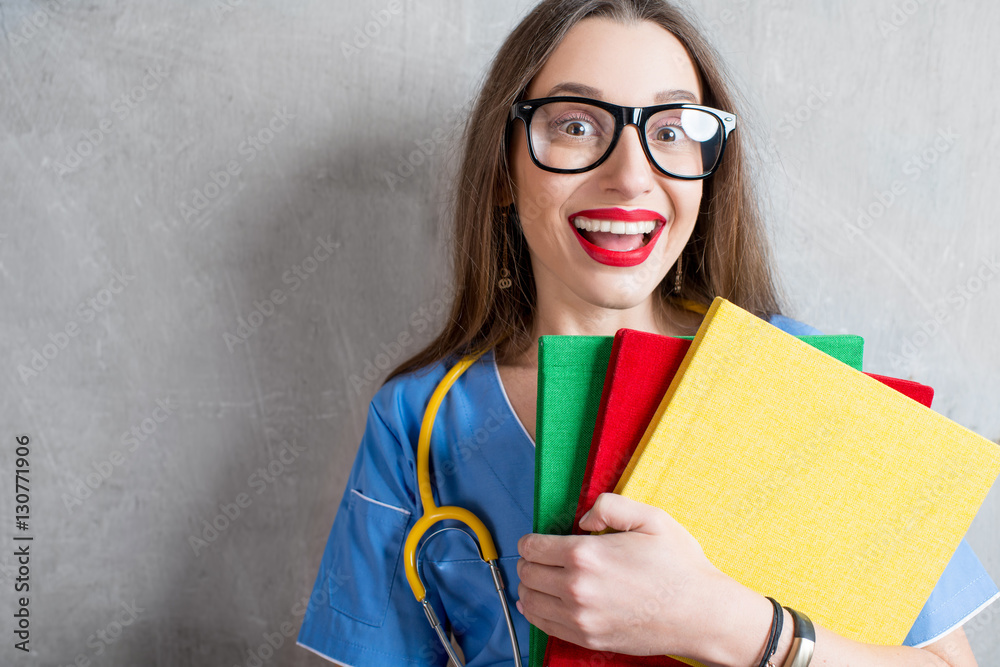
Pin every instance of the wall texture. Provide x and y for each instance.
(217, 221)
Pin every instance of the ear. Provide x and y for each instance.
(505, 185)
(505, 191)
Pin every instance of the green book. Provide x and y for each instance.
(571, 371)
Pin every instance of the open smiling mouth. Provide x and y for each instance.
(616, 237)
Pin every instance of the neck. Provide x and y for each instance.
(598, 321)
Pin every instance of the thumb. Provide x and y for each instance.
(611, 511)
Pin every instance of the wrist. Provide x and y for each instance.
(785, 641)
(802, 642)
(734, 627)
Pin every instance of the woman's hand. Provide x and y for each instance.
(649, 590)
(646, 590)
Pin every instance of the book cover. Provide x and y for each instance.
(570, 379)
(847, 499)
(640, 370)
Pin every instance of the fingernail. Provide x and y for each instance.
(519, 607)
(584, 517)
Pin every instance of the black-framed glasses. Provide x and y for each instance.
(570, 135)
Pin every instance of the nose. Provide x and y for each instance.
(627, 170)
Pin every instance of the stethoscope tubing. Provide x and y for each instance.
(433, 514)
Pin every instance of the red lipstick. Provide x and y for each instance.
(611, 257)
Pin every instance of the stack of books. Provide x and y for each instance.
(837, 492)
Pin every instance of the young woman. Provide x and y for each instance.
(570, 222)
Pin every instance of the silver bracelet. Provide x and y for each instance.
(803, 641)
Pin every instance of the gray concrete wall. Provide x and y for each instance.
(171, 169)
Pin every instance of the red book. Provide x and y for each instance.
(921, 393)
(640, 370)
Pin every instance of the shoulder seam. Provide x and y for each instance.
(414, 495)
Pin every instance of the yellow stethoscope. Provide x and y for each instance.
(433, 514)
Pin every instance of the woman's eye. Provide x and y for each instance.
(668, 134)
(576, 128)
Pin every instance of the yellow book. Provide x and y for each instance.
(808, 481)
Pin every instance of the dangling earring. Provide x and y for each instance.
(505, 281)
(679, 274)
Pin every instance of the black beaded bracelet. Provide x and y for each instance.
(774, 635)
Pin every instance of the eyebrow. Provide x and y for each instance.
(583, 90)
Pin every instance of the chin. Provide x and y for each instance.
(621, 293)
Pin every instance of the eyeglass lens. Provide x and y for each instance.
(575, 135)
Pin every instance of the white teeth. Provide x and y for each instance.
(614, 226)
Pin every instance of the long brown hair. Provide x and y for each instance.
(727, 254)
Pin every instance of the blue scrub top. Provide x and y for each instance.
(362, 611)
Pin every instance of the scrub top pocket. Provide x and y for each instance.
(368, 557)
